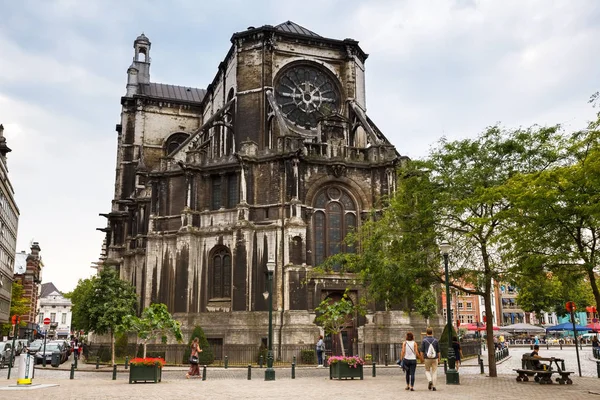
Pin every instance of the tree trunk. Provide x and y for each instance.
(592, 277)
(489, 328)
(144, 345)
(112, 346)
(342, 343)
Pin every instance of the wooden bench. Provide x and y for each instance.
(542, 376)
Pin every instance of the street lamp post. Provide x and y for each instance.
(270, 372)
(452, 377)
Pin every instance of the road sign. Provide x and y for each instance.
(47, 321)
(570, 306)
(15, 319)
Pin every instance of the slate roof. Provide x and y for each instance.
(292, 27)
(47, 289)
(172, 92)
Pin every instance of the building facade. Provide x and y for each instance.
(9, 222)
(53, 305)
(28, 272)
(271, 165)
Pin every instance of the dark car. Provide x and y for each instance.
(51, 347)
(36, 346)
(5, 353)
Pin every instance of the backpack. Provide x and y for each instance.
(431, 353)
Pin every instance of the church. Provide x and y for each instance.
(267, 168)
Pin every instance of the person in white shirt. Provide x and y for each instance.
(410, 354)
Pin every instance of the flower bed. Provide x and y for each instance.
(345, 367)
(146, 370)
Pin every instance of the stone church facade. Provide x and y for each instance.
(272, 164)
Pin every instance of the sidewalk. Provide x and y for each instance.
(387, 387)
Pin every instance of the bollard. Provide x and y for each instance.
(386, 360)
(72, 374)
(598, 368)
(204, 373)
(114, 376)
(481, 367)
(75, 360)
(445, 366)
(374, 370)
(249, 372)
(97, 362)
(560, 343)
(226, 362)
(126, 362)
(260, 361)
(547, 346)
(43, 361)
(294, 370)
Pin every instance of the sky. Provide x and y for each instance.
(436, 68)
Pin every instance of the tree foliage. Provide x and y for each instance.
(109, 301)
(80, 302)
(19, 305)
(556, 214)
(206, 357)
(155, 321)
(335, 316)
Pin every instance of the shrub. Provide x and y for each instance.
(206, 357)
(308, 356)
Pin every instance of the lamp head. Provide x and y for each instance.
(445, 248)
(266, 295)
(270, 266)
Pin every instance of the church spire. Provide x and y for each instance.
(139, 70)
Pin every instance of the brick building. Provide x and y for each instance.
(28, 272)
(273, 163)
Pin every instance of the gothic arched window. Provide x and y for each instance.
(220, 273)
(174, 141)
(333, 219)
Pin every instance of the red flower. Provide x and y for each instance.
(148, 361)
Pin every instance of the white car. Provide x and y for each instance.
(5, 354)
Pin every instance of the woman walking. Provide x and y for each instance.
(194, 366)
(457, 351)
(410, 353)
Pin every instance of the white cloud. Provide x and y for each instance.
(436, 67)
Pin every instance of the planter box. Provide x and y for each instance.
(145, 373)
(341, 370)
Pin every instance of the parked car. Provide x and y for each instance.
(36, 346)
(51, 347)
(5, 356)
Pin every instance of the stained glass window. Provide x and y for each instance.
(221, 274)
(334, 218)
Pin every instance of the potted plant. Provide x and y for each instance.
(146, 369)
(345, 367)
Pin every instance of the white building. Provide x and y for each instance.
(53, 305)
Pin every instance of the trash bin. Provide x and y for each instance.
(56, 359)
(25, 373)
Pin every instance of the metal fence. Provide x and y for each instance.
(388, 353)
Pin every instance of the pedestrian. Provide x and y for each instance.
(76, 349)
(410, 353)
(457, 351)
(536, 340)
(194, 363)
(430, 348)
(595, 342)
(320, 350)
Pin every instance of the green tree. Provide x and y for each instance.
(335, 316)
(19, 305)
(81, 298)
(556, 215)
(454, 194)
(110, 301)
(425, 304)
(155, 321)
(206, 357)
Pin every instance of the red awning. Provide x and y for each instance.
(594, 326)
(477, 327)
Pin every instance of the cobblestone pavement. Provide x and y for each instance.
(310, 383)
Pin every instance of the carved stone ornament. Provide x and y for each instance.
(338, 170)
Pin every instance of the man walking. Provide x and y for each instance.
(430, 348)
